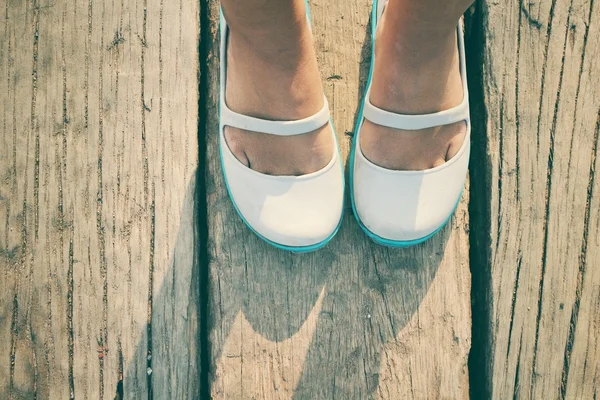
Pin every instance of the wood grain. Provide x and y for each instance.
(97, 243)
(99, 269)
(543, 104)
(353, 320)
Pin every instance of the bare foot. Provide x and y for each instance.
(412, 75)
(276, 78)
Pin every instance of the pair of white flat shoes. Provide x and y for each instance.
(303, 213)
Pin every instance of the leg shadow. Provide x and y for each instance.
(169, 366)
(364, 295)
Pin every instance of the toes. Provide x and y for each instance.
(453, 148)
(439, 161)
(456, 141)
(236, 146)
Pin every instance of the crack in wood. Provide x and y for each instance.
(532, 21)
(70, 290)
(480, 216)
(543, 76)
(517, 384)
(201, 204)
(150, 294)
(512, 307)
(14, 331)
(517, 113)
(500, 176)
(33, 358)
(34, 122)
(99, 205)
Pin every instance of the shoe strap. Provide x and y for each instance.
(415, 122)
(280, 128)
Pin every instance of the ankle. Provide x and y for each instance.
(286, 83)
(273, 38)
(264, 18)
(285, 55)
(419, 21)
(416, 77)
(415, 46)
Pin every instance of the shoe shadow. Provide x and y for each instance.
(166, 361)
(369, 300)
(323, 318)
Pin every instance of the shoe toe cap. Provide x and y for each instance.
(289, 211)
(406, 205)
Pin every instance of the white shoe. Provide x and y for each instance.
(404, 208)
(295, 213)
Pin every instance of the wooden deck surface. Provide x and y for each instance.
(540, 240)
(126, 273)
(99, 292)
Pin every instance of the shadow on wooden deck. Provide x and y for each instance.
(173, 335)
(334, 323)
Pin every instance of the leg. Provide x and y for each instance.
(416, 71)
(272, 74)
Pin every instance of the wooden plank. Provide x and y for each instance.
(353, 320)
(583, 348)
(542, 99)
(98, 157)
(17, 223)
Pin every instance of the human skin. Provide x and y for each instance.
(272, 73)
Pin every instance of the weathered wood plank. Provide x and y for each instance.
(98, 156)
(17, 225)
(542, 99)
(583, 349)
(353, 320)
